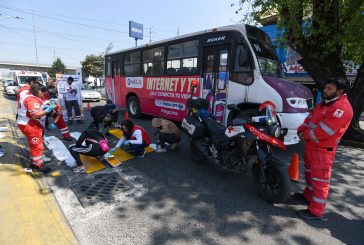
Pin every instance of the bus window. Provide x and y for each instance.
(189, 49)
(242, 72)
(173, 67)
(182, 58)
(189, 66)
(116, 71)
(223, 60)
(108, 68)
(210, 63)
(153, 62)
(132, 64)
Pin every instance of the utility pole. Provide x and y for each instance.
(35, 39)
(54, 54)
(177, 31)
(150, 34)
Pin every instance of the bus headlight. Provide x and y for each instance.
(296, 102)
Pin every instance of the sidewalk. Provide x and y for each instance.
(29, 212)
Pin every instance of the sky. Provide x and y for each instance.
(71, 29)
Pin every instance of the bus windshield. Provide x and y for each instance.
(265, 52)
(267, 60)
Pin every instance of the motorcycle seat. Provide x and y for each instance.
(214, 127)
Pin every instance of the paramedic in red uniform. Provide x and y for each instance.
(135, 137)
(30, 117)
(321, 133)
(25, 89)
(57, 116)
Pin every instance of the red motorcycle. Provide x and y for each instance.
(246, 143)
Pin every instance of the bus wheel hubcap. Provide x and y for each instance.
(132, 107)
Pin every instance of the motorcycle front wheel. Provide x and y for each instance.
(197, 154)
(275, 187)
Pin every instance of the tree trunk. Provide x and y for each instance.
(320, 73)
(356, 97)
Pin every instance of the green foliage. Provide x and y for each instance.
(321, 30)
(57, 67)
(93, 65)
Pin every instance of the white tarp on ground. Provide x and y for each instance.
(75, 135)
(60, 151)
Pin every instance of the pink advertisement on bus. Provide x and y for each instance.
(161, 96)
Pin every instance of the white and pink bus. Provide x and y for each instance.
(234, 64)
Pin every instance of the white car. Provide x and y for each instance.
(6, 82)
(88, 93)
(11, 88)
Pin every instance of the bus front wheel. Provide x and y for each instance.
(134, 107)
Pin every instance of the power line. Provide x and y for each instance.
(66, 21)
(77, 18)
(51, 47)
(52, 34)
(59, 34)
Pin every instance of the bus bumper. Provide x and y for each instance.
(292, 121)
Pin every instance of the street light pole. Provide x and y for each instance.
(35, 39)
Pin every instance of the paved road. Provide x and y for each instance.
(177, 201)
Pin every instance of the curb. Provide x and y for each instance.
(352, 143)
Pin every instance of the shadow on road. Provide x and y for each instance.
(195, 203)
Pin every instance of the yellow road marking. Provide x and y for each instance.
(91, 164)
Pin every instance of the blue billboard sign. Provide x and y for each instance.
(135, 30)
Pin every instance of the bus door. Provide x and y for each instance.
(215, 78)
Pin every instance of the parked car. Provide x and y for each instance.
(11, 88)
(88, 93)
(6, 82)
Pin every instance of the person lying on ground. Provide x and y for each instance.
(96, 145)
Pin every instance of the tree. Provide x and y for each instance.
(324, 33)
(57, 67)
(93, 65)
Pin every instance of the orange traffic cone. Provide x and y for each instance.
(293, 169)
(88, 107)
(126, 116)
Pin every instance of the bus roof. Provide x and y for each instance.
(237, 27)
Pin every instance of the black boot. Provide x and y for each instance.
(42, 168)
(306, 214)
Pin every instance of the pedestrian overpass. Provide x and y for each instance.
(24, 66)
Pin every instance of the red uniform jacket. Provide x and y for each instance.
(327, 123)
(146, 138)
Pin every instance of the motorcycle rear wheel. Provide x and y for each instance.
(276, 187)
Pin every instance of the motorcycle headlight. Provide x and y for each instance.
(275, 131)
(296, 102)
